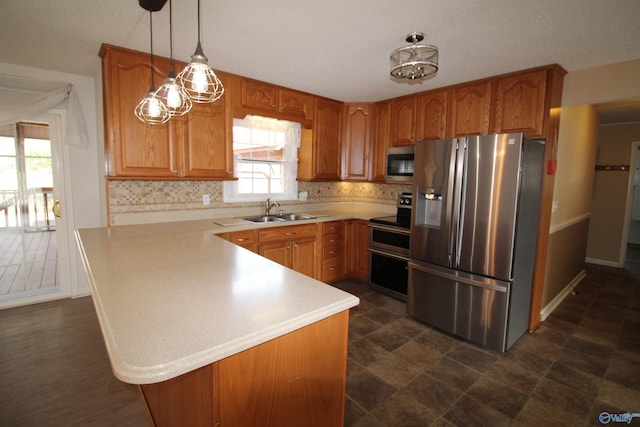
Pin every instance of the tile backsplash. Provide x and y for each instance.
(129, 196)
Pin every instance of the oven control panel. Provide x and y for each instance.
(405, 200)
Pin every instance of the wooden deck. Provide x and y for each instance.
(28, 264)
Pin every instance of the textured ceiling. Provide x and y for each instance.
(334, 48)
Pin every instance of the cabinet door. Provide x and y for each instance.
(470, 109)
(208, 140)
(258, 95)
(326, 139)
(520, 101)
(361, 240)
(279, 252)
(295, 104)
(432, 115)
(303, 256)
(357, 142)
(403, 121)
(382, 140)
(135, 148)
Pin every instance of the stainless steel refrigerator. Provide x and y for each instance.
(474, 228)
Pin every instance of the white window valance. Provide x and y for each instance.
(23, 98)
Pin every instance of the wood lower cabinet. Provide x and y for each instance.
(357, 248)
(333, 254)
(246, 238)
(356, 142)
(197, 145)
(292, 246)
(297, 379)
(470, 109)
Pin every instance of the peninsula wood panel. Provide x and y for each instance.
(298, 379)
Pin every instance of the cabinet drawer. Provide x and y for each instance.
(332, 269)
(287, 233)
(330, 251)
(332, 227)
(243, 238)
(332, 240)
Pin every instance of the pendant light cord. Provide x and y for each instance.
(198, 21)
(171, 71)
(153, 88)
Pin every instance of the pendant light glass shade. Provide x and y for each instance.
(151, 109)
(198, 79)
(417, 61)
(171, 93)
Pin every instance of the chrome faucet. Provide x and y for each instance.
(268, 205)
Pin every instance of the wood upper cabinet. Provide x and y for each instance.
(382, 140)
(274, 101)
(470, 109)
(356, 143)
(403, 120)
(319, 156)
(520, 103)
(431, 121)
(197, 145)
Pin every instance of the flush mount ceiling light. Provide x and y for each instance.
(417, 61)
(198, 79)
(171, 93)
(151, 109)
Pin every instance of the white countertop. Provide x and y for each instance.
(174, 297)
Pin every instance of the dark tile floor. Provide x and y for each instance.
(584, 359)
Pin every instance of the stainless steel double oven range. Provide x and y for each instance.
(389, 250)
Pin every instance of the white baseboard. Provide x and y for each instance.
(554, 303)
(604, 262)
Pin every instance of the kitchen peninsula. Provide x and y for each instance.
(214, 334)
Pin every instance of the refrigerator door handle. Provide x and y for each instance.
(461, 277)
(463, 189)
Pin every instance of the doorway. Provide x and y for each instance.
(28, 226)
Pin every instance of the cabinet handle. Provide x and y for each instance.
(295, 245)
(332, 268)
(332, 252)
(175, 171)
(333, 240)
(241, 239)
(288, 247)
(290, 233)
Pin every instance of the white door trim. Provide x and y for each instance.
(624, 241)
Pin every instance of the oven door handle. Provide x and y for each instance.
(396, 230)
(388, 254)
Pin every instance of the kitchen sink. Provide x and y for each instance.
(264, 218)
(276, 218)
(295, 217)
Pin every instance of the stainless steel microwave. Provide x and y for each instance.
(399, 164)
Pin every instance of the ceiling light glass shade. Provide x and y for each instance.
(174, 97)
(417, 61)
(151, 110)
(199, 80)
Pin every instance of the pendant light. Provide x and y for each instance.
(171, 93)
(198, 79)
(151, 109)
(417, 61)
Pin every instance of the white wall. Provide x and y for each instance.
(83, 164)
